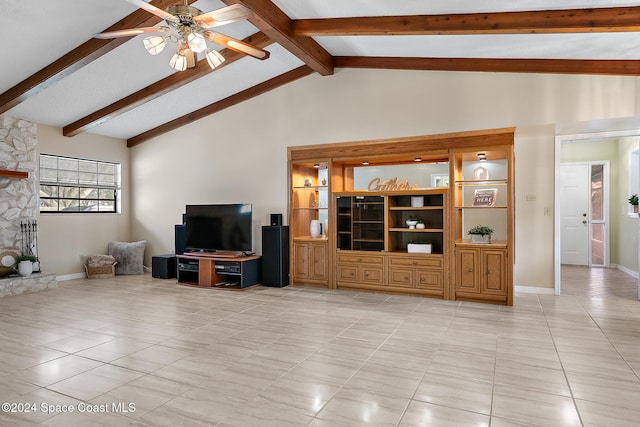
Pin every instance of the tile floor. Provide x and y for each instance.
(146, 352)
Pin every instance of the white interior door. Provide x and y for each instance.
(574, 211)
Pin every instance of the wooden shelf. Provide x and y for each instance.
(13, 174)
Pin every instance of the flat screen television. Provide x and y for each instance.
(218, 228)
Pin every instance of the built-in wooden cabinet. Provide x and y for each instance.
(366, 234)
(310, 262)
(481, 272)
(309, 200)
(483, 195)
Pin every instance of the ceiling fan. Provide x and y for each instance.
(189, 27)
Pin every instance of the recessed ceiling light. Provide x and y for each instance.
(417, 159)
(316, 165)
(365, 162)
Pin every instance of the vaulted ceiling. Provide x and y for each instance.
(53, 72)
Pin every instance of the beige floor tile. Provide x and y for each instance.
(88, 385)
(58, 370)
(610, 391)
(455, 392)
(604, 415)
(533, 407)
(426, 414)
(357, 407)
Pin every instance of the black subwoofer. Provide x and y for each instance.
(163, 266)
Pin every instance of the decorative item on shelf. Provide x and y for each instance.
(326, 228)
(419, 247)
(485, 197)
(308, 182)
(324, 181)
(314, 228)
(411, 222)
(481, 234)
(420, 225)
(633, 201)
(417, 201)
(480, 174)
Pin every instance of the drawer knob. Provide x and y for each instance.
(470, 270)
(490, 271)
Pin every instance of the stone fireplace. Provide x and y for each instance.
(18, 196)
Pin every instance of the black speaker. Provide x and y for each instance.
(180, 238)
(276, 219)
(163, 266)
(275, 256)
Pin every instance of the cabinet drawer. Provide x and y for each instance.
(429, 279)
(372, 275)
(416, 262)
(402, 277)
(347, 273)
(361, 259)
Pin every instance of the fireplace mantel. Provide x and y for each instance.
(13, 174)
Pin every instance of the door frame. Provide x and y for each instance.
(559, 140)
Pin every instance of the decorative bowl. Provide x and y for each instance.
(412, 223)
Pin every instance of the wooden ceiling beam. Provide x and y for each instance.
(277, 25)
(612, 19)
(74, 60)
(509, 65)
(159, 88)
(237, 98)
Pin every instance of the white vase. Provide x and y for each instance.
(36, 266)
(25, 268)
(314, 228)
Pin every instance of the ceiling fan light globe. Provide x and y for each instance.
(154, 44)
(214, 58)
(197, 43)
(178, 62)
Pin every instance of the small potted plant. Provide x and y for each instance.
(420, 224)
(481, 234)
(633, 201)
(25, 264)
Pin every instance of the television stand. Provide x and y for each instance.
(218, 270)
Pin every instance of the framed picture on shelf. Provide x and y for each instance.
(439, 179)
(485, 197)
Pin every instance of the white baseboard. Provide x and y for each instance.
(534, 290)
(626, 270)
(65, 277)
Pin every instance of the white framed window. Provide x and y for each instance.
(69, 184)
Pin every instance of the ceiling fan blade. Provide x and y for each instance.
(130, 32)
(237, 45)
(226, 15)
(155, 10)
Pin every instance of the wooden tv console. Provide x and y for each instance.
(213, 269)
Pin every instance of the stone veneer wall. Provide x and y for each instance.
(18, 197)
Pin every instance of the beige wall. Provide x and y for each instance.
(239, 154)
(65, 239)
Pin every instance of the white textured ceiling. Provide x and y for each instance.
(37, 32)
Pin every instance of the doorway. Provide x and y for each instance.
(619, 229)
